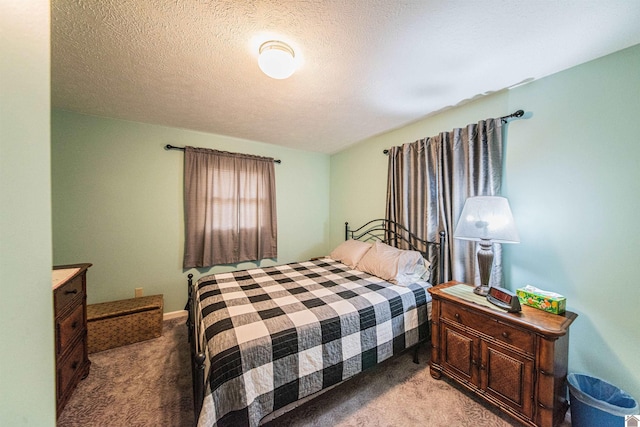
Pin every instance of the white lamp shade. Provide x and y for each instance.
(487, 218)
(277, 59)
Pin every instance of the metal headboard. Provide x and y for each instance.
(397, 235)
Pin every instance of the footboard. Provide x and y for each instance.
(197, 353)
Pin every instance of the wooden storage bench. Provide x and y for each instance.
(117, 323)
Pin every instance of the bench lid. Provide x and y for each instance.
(122, 307)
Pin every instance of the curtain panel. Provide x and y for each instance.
(430, 179)
(230, 208)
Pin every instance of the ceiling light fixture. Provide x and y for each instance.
(277, 59)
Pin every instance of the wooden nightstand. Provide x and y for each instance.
(516, 361)
(70, 308)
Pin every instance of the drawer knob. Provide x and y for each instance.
(505, 334)
(457, 316)
(74, 325)
(72, 291)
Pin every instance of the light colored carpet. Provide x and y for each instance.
(139, 385)
(149, 384)
(396, 393)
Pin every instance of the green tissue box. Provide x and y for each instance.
(542, 300)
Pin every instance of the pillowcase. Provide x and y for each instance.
(421, 273)
(391, 263)
(350, 252)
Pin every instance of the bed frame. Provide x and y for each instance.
(382, 230)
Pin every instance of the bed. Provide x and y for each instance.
(263, 339)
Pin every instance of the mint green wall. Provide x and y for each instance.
(572, 175)
(359, 174)
(27, 386)
(117, 203)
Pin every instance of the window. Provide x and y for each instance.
(230, 208)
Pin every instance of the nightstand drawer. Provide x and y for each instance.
(502, 332)
(67, 292)
(69, 367)
(69, 327)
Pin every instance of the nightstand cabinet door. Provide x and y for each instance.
(503, 375)
(459, 353)
(507, 377)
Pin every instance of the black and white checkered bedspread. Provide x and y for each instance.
(278, 334)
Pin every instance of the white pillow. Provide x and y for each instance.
(389, 263)
(421, 273)
(350, 252)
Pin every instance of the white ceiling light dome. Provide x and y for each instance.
(277, 59)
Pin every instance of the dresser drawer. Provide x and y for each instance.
(67, 292)
(69, 367)
(69, 327)
(502, 332)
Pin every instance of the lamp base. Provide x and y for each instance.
(485, 262)
(481, 290)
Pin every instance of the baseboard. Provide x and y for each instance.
(174, 315)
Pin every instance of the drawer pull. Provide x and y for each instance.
(474, 362)
(457, 316)
(74, 365)
(72, 291)
(74, 324)
(505, 335)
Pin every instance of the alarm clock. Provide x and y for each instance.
(504, 299)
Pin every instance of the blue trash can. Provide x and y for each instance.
(596, 403)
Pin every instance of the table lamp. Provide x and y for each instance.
(488, 220)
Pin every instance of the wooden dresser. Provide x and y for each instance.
(70, 310)
(515, 361)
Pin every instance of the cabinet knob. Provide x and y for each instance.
(457, 316)
(548, 374)
(505, 334)
(74, 325)
(72, 291)
(474, 362)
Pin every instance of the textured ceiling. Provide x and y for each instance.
(365, 66)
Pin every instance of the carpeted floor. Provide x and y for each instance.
(139, 385)
(149, 384)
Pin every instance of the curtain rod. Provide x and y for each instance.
(173, 147)
(504, 119)
(517, 114)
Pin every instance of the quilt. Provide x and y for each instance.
(278, 334)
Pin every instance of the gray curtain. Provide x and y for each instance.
(230, 208)
(430, 179)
